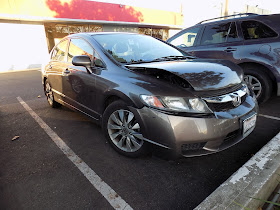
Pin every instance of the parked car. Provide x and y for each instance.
(252, 41)
(145, 92)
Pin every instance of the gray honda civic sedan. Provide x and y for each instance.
(146, 93)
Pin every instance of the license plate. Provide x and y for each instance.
(249, 123)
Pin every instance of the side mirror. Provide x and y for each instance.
(82, 60)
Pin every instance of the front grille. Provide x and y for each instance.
(219, 107)
(224, 91)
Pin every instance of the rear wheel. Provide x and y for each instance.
(259, 82)
(123, 131)
(50, 96)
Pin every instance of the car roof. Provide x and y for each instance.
(240, 16)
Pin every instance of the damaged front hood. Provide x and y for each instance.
(202, 74)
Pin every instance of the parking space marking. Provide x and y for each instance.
(270, 117)
(108, 193)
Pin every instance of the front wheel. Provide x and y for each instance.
(123, 131)
(259, 82)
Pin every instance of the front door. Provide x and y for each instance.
(79, 83)
(219, 41)
(186, 39)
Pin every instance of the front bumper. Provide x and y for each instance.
(195, 136)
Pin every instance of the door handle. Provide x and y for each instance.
(230, 49)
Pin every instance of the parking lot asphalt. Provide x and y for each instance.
(36, 174)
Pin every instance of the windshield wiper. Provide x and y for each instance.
(137, 62)
(173, 57)
(165, 58)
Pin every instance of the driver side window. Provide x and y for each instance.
(187, 39)
(81, 47)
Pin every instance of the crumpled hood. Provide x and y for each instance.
(202, 74)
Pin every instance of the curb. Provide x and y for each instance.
(257, 178)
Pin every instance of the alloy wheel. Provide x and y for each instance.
(49, 93)
(124, 131)
(254, 84)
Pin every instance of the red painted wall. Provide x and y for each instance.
(88, 10)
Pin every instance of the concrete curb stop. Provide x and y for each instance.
(257, 178)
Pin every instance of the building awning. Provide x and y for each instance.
(35, 19)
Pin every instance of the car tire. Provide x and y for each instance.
(50, 96)
(123, 131)
(259, 82)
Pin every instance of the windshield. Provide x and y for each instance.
(134, 48)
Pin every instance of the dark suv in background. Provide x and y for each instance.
(252, 41)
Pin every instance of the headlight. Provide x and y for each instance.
(179, 104)
(151, 101)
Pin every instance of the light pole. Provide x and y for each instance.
(226, 8)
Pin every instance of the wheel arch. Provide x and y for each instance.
(262, 68)
(115, 95)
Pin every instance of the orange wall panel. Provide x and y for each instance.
(7, 7)
(33, 8)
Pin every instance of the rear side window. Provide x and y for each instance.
(186, 39)
(219, 33)
(256, 30)
(59, 51)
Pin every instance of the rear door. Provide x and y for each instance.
(259, 40)
(56, 67)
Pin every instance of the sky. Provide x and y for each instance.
(272, 5)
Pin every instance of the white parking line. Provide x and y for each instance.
(109, 194)
(270, 117)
